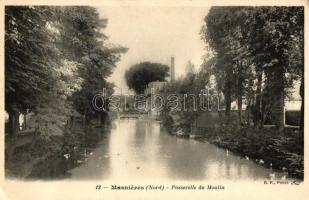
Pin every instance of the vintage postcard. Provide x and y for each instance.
(154, 99)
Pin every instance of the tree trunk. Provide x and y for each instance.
(258, 111)
(239, 93)
(228, 101)
(227, 91)
(278, 91)
(301, 123)
(13, 123)
(239, 102)
(248, 112)
(278, 111)
(13, 130)
(25, 121)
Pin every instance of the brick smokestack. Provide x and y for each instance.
(172, 69)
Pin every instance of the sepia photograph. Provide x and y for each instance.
(136, 93)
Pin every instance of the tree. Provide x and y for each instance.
(252, 42)
(29, 59)
(275, 37)
(139, 75)
(42, 44)
(82, 41)
(219, 31)
(56, 59)
(188, 91)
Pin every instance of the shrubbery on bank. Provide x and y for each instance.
(279, 151)
(283, 152)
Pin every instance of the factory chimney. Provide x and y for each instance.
(172, 69)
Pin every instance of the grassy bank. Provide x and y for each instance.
(266, 146)
(282, 152)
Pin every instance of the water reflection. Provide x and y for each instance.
(96, 165)
(140, 149)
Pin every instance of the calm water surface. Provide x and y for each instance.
(139, 149)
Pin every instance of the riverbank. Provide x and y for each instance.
(264, 146)
(51, 158)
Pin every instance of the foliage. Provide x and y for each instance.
(29, 56)
(254, 42)
(188, 90)
(139, 75)
(56, 59)
(82, 39)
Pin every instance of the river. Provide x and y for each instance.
(138, 149)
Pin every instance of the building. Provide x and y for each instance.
(154, 87)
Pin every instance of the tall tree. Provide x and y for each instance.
(218, 31)
(268, 38)
(81, 37)
(275, 39)
(41, 45)
(29, 59)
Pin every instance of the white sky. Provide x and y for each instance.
(155, 34)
